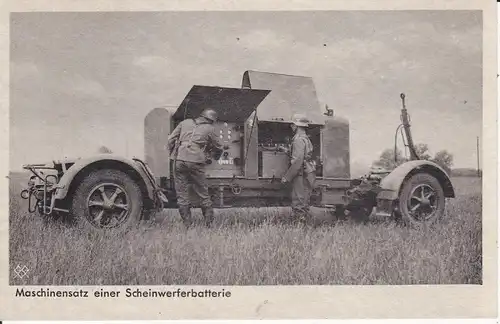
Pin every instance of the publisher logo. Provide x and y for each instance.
(21, 271)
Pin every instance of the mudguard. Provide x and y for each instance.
(119, 162)
(390, 185)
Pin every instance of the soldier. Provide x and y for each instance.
(301, 173)
(189, 143)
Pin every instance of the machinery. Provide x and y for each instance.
(254, 125)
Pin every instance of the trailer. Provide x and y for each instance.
(109, 191)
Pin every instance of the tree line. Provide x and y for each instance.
(388, 161)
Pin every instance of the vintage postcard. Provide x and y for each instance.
(249, 160)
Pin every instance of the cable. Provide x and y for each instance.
(250, 137)
(396, 144)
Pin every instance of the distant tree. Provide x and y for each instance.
(104, 150)
(386, 159)
(444, 159)
(423, 151)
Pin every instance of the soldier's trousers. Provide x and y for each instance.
(302, 187)
(191, 175)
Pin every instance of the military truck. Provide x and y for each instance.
(109, 191)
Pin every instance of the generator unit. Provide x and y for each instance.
(111, 191)
(254, 128)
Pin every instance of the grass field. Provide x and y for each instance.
(239, 252)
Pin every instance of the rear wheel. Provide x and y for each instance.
(107, 199)
(422, 201)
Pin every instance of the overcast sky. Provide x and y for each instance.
(82, 80)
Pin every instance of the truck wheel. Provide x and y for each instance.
(107, 199)
(422, 201)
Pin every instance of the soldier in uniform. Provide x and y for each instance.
(189, 143)
(302, 171)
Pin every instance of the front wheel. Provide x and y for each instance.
(422, 201)
(107, 199)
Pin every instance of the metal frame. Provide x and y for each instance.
(41, 204)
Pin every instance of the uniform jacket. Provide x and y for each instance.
(192, 139)
(301, 156)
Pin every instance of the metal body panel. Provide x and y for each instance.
(229, 164)
(270, 184)
(289, 94)
(274, 164)
(244, 192)
(81, 165)
(231, 104)
(391, 184)
(335, 148)
(157, 128)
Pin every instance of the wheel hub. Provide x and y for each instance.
(422, 202)
(107, 205)
(425, 202)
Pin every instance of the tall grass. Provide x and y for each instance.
(254, 247)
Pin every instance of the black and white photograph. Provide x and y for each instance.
(246, 148)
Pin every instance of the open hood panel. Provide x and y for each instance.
(232, 104)
(290, 94)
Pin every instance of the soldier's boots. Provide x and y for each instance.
(208, 215)
(185, 212)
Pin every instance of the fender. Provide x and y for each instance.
(390, 185)
(84, 165)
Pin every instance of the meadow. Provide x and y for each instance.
(252, 247)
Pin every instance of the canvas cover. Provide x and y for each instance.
(231, 104)
(289, 94)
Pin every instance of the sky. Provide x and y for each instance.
(83, 80)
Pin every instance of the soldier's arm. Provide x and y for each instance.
(215, 140)
(173, 137)
(215, 144)
(296, 161)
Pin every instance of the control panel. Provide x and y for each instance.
(230, 163)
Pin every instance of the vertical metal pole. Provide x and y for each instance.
(478, 169)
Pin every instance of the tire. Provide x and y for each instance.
(432, 206)
(124, 212)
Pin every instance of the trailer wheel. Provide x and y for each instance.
(107, 199)
(422, 201)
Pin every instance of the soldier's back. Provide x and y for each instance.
(194, 137)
